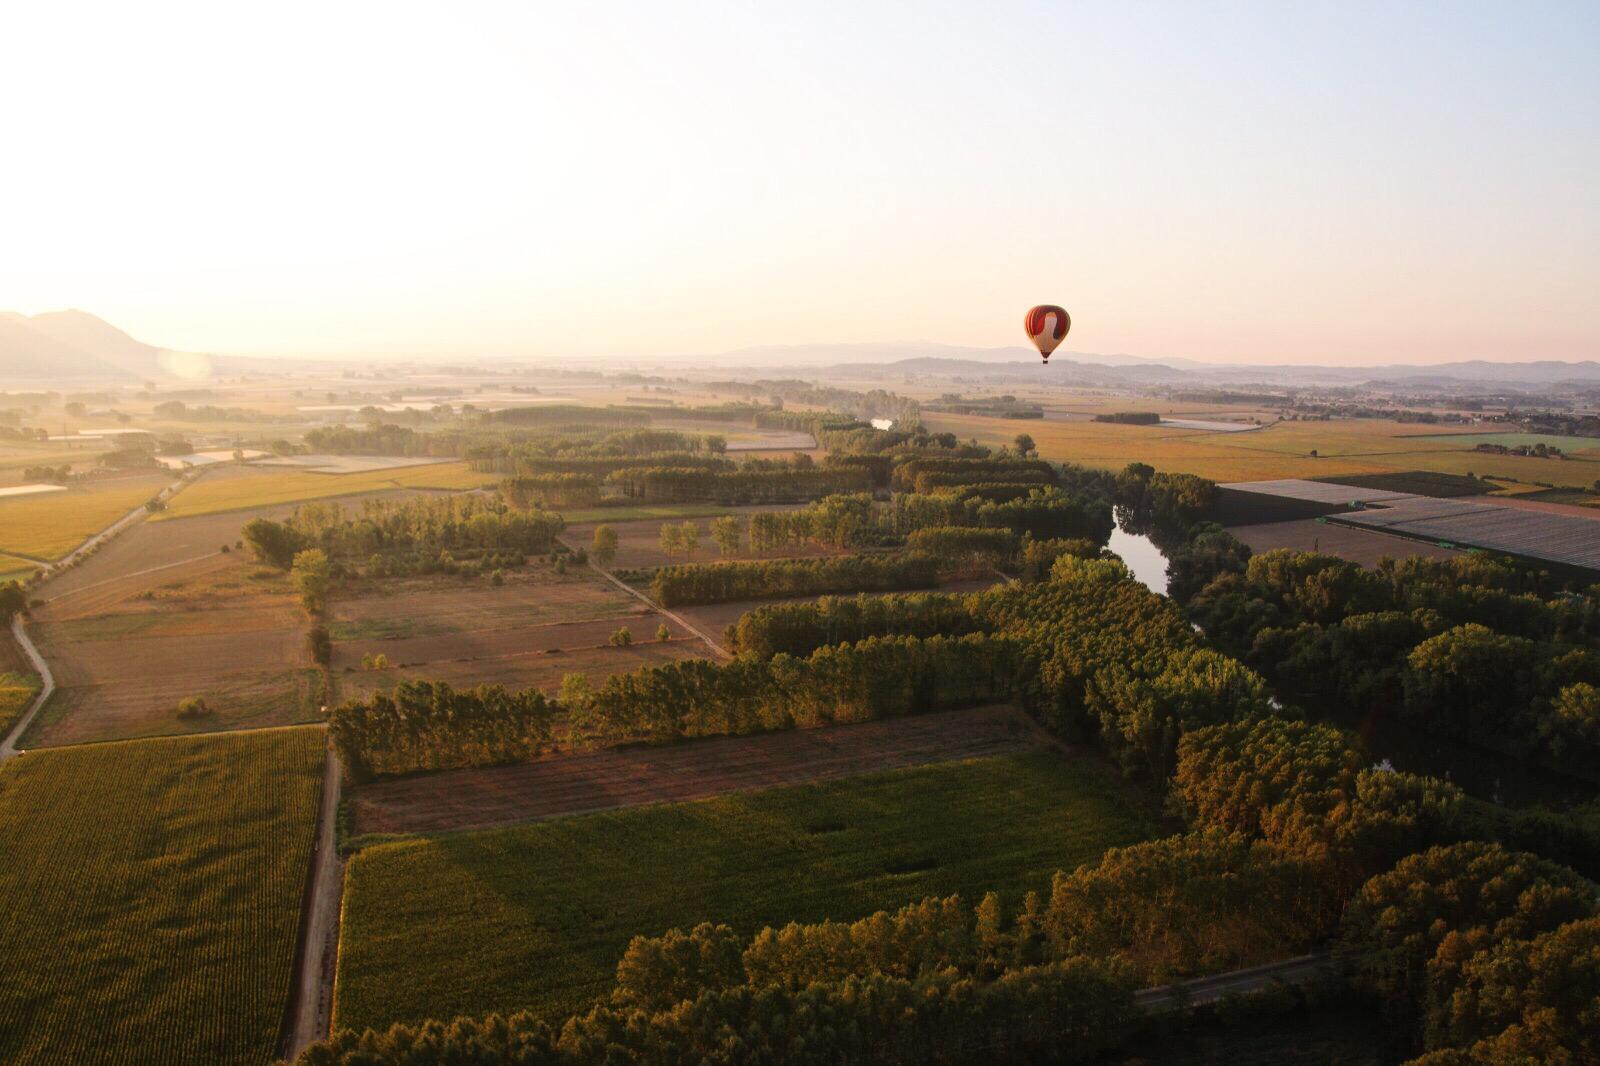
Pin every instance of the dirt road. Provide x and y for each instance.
(311, 996)
(8, 745)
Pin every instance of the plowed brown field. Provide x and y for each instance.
(572, 784)
(530, 632)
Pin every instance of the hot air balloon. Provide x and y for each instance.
(1047, 327)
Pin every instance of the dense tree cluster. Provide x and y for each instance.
(1464, 647)
(551, 490)
(398, 536)
(962, 547)
(801, 628)
(427, 725)
(758, 481)
(721, 582)
(876, 678)
(1478, 949)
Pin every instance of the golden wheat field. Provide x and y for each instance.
(49, 526)
(241, 489)
(1275, 451)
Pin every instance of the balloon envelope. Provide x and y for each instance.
(1047, 327)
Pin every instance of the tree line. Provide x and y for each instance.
(427, 725)
(402, 535)
(721, 582)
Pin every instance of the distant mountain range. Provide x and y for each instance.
(1017, 362)
(73, 345)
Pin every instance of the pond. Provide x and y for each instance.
(1143, 558)
(883, 423)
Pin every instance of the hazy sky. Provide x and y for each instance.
(1295, 182)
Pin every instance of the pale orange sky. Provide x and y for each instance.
(1341, 183)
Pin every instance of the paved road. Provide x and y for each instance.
(1204, 990)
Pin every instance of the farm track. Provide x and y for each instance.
(310, 1007)
(654, 606)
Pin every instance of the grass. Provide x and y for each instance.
(1344, 447)
(16, 692)
(153, 894)
(536, 916)
(49, 526)
(241, 493)
(13, 568)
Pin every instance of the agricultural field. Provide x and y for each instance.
(153, 893)
(1565, 442)
(13, 568)
(17, 690)
(1278, 451)
(49, 526)
(633, 776)
(1362, 546)
(243, 488)
(126, 651)
(528, 633)
(536, 916)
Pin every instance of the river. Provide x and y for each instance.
(1142, 557)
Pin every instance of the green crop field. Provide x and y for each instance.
(259, 489)
(152, 897)
(16, 692)
(537, 916)
(50, 525)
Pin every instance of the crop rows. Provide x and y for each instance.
(536, 916)
(152, 897)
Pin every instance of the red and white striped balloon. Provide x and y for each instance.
(1047, 327)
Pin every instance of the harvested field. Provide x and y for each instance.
(529, 632)
(49, 526)
(1357, 545)
(151, 554)
(126, 651)
(1336, 448)
(535, 917)
(240, 488)
(698, 769)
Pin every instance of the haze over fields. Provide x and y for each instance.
(1338, 184)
